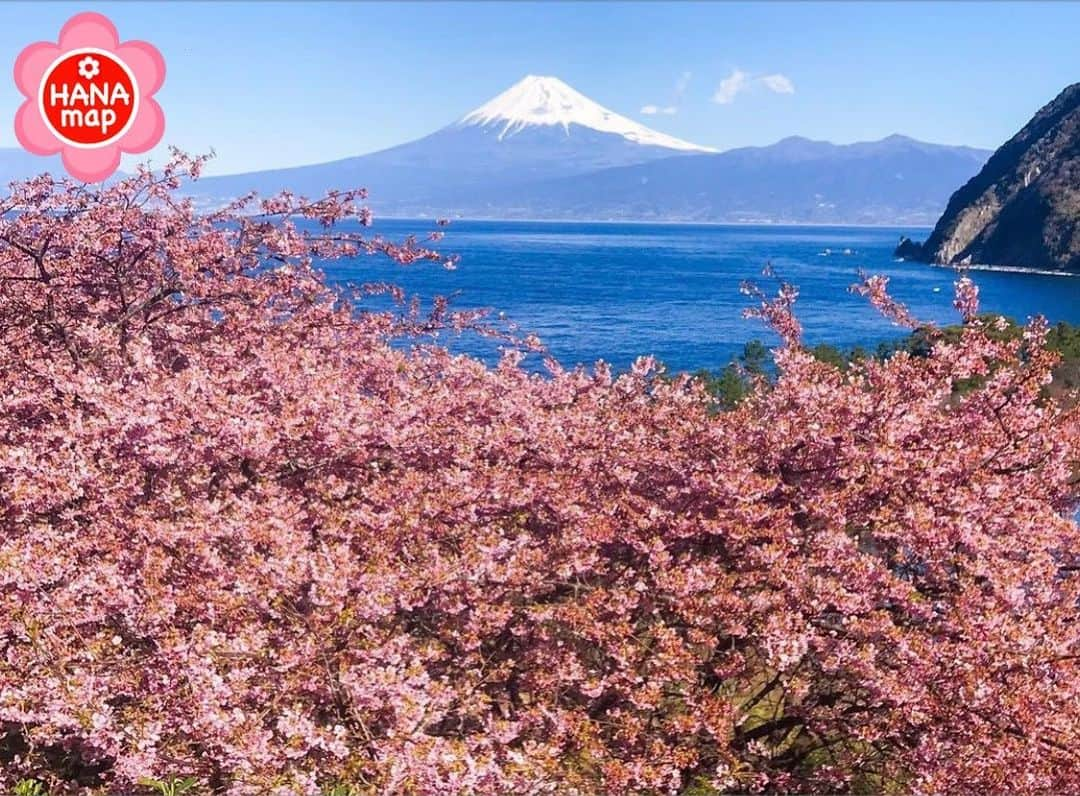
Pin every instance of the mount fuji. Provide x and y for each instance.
(538, 129)
(541, 149)
(542, 102)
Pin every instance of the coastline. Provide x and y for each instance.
(660, 223)
(1004, 269)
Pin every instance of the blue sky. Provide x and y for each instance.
(276, 84)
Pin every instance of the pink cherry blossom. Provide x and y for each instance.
(255, 532)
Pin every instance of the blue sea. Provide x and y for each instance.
(615, 291)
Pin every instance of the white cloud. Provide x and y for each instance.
(739, 81)
(778, 84)
(731, 86)
(676, 98)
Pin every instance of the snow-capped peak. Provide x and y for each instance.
(538, 100)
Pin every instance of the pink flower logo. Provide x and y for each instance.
(89, 97)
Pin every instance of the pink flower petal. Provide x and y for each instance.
(147, 128)
(31, 64)
(33, 134)
(91, 165)
(89, 30)
(147, 64)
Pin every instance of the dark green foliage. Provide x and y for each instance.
(755, 358)
(831, 355)
(728, 388)
(1065, 339)
(732, 384)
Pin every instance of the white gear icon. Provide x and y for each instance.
(89, 67)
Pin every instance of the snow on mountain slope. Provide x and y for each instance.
(548, 101)
(538, 129)
(543, 150)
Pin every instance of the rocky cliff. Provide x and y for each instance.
(1023, 208)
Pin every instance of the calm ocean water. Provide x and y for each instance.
(615, 291)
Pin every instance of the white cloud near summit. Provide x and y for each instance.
(739, 82)
(676, 99)
(731, 86)
(778, 84)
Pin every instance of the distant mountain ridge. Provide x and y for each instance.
(539, 128)
(543, 150)
(18, 164)
(896, 180)
(1023, 208)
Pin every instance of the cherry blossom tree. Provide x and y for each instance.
(254, 534)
